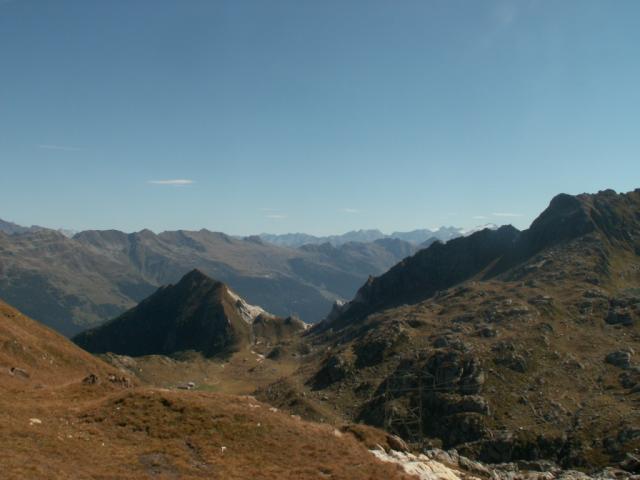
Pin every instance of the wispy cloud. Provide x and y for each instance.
(480, 217)
(275, 216)
(352, 211)
(61, 148)
(176, 182)
(506, 214)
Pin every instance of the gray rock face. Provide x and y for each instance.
(445, 384)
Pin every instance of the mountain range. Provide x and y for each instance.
(75, 280)
(74, 283)
(415, 237)
(507, 345)
(515, 348)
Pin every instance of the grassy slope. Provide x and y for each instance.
(54, 426)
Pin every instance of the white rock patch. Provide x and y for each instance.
(248, 312)
(420, 466)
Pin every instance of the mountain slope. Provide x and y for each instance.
(437, 267)
(65, 414)
(506, 345)
(197, 313)
(11, 228)
(32, 352)
(414, 237)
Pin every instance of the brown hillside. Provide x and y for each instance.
(44, 355)
(54, 425)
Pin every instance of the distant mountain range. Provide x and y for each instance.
(72, 281)
(72, 284)
(415, 237)
(422, 236)
(11, 228)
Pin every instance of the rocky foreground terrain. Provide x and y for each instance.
(65, 414)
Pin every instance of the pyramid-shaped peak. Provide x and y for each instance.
(197, 276)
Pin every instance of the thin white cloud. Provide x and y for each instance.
(352, 211)
(275, 216)
(480, 217)
(506, 214)
(61, 148)
(177, 182)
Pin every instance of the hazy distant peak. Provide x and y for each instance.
(415, 237)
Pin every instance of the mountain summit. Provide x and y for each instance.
(198, 313)
(601, 223)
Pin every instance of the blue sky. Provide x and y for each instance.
(314, 116)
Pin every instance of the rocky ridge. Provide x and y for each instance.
(506, 345)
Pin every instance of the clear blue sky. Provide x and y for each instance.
(316, 116)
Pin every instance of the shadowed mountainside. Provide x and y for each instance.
(197, 313)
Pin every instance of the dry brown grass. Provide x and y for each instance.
(55, 427)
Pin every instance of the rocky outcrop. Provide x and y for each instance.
(334, 369)
(441, 391)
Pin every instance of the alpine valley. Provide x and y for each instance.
(500, 354)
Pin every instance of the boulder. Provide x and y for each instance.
(487, 332)
(396, 443)
(619, 316)
(619, 358)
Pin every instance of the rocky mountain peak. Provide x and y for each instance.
(612, 218)
(198, 313)
(197, 277)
